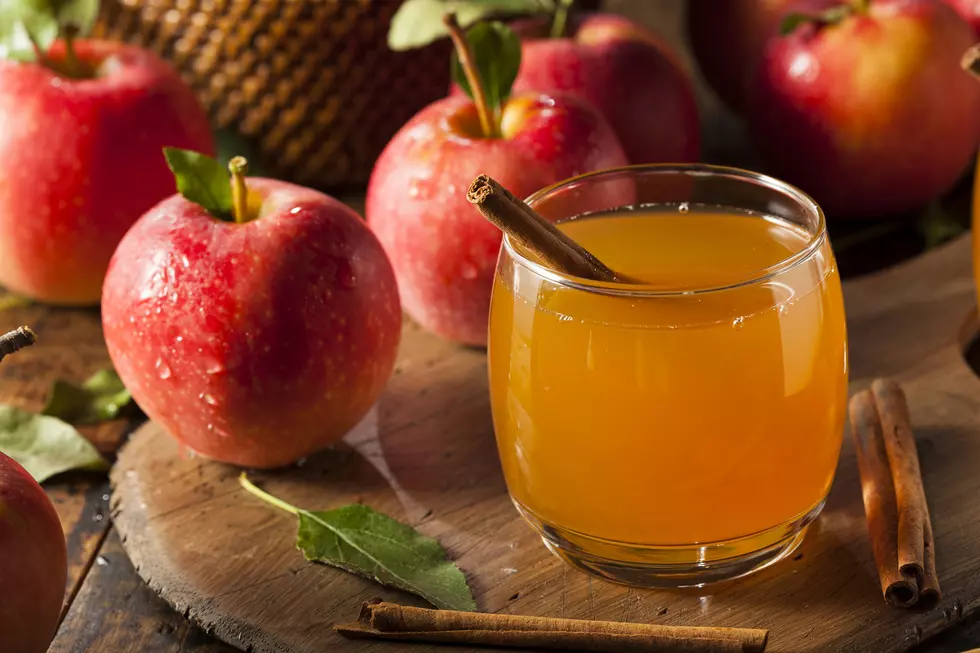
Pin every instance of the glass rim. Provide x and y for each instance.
(814, 243)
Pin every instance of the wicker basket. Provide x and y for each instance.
(312, 82)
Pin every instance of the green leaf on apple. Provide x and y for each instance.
(829, 16)
(100, 398)
(419, 22)
(497, 52)
(26, 23)
(367, 543)
(202, 180)
(45, 445)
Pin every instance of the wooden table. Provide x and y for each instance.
(109, 609)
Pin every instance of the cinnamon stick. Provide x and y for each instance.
(879, 501)
(903, 459)
(894, 498)
(379, 620)
(529, 229)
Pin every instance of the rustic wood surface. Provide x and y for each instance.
(426, 456)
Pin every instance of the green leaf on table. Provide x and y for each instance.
(10, 301)
(100, 398)
(45, 445)
(202, 180)
(497, 53)
(419, 22)
(367, 543)
(42, 21)
(938, 223)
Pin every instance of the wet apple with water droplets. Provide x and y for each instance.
(254, 342)
(443, 251)
(80, 162)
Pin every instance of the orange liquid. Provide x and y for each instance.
(679, 419)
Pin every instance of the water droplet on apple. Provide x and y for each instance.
(163, 370)
(178, 340)
(295, 210)
(208, 399)
(683, 208)
(183, 261)
(173, 297)
(132, 319)
(414, 190)
(214, 366)
(210, 427)
(469, 271)
(171, 274)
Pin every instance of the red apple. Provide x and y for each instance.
(630, 75)
(872, 115)
(258, 343)
(80, 162)
(33, 564)
(443, 251)
(728, 38)
(970, 11)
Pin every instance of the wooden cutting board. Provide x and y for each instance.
(426, 455)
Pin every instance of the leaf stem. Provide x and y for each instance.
(971, 61)
(488, 121)
(16, 340)
(265, 496)
(560, 21)
(238, 167)
(42, 57)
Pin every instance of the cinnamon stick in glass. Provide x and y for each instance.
(530, 230)
(379, 620)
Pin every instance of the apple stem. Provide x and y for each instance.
(265, 496)
(971, 61)
(487, 118)
(71, 59)
(560, 21)
(16, 340)
(238, 167)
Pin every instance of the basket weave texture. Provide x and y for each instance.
(311, 82)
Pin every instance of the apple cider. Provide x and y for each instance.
(702, 409)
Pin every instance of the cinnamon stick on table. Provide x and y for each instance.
(381, 620)
(894, 498)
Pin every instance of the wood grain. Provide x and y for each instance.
(115, 611)
(69, 346)
(426, 455)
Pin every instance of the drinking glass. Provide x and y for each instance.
(680, 432)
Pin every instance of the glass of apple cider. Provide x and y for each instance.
(685, 429)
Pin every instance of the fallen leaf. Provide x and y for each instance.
(45, 445)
